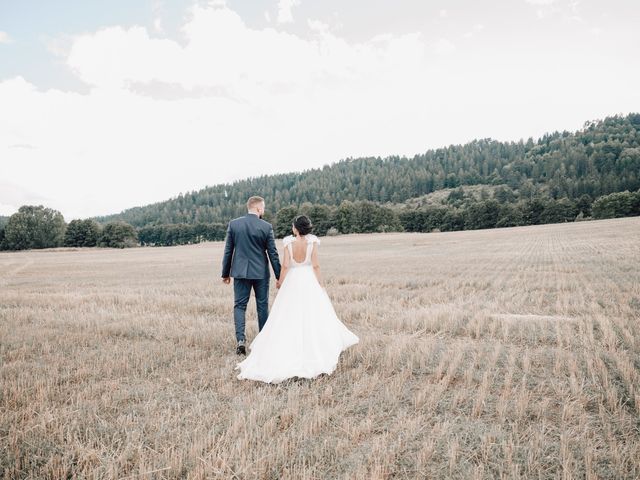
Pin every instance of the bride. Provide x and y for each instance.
(303, 336)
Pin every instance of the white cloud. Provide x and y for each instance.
(236, 94)
(317, 25)
(574, 5)
(544, 7)
(222, 52)
(4, 37)
(444, 47)
(284, 10)
(59, 46)
(158, 10)
(477, 28)
(443, 13)
(157, 25)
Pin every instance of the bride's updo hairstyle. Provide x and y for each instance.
(303, 224)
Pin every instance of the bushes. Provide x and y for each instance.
(423, 219)
(349, 217)
(34, 227)
(484, 214)
(82, 233)
(181, 233)
(37, 227)
(614, 205)
(118, 235)
(460, 212)
(284, 219)
(40, 227)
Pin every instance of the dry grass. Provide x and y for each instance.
(507, 353)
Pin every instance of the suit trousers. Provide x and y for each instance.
(241, 292)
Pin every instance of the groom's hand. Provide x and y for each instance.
(226, 280)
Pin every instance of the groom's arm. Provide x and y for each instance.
(228, 253)
(272, 251)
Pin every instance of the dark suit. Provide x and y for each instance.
(249, 242)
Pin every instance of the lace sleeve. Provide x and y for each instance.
(313, 239)
(287, 240)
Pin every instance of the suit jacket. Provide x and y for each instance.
(249, 240)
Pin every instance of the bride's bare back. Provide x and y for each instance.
(299, 249)
(299, 253)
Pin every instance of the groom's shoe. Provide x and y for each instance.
(240, 350)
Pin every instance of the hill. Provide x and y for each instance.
(601, 158)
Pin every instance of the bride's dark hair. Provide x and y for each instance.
(303, 224)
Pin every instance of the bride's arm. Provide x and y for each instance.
(285, 267)
(316, 264)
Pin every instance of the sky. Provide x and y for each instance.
(110, 105)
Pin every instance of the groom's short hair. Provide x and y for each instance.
(254, 202)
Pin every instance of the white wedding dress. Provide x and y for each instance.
(303, 337)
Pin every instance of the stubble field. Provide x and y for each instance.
(505, 353)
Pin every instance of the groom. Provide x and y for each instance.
(249, 240)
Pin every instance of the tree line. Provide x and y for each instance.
(181, 234)
(35, 227)
(458, 211)
(601, 158)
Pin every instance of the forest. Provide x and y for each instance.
(589, 174)
(601, 158)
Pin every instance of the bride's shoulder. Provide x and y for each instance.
(311, 238)
(288, 239)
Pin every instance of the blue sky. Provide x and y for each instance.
(165, 96)
(32, 25)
